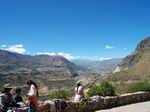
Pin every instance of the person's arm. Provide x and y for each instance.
(75, 90)
(3, 100)
(21, 99)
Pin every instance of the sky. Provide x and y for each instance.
(75, 29)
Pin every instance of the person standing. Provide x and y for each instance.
(33, 96)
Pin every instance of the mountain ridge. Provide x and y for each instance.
(103, 67)
(17, 68)
(136, 65)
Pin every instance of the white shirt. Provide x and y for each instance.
(79, 91)
(32, 91)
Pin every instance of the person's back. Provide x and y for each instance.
(18, 97)
(79, 92)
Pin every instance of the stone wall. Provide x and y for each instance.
(108, 102)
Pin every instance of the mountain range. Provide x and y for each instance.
(14, 63)
(17, 68)
(101, 67)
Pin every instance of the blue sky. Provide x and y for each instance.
(93, 29)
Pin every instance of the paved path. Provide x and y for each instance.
(138, 107)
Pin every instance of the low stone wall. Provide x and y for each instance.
(108, 102)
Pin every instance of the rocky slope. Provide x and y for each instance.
(13, 62)
(136, 66)
(17, 68)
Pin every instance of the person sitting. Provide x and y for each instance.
(18, 97)
(7, 99)
(79, 92)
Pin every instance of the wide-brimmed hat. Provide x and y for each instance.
(78, 82)
(7, 86)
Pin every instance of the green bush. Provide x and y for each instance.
(107, 89)
(104, 89)
(60, 94)
(94, 91)
(140, 86)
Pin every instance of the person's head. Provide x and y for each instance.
(79, 83)
(7, 88)
(30, 82)
(18, 91)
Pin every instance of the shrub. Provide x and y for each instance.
(107, 89)
(93, 91)
(140, 86)
(60, 94)
(104, 89)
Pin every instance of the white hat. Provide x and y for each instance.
(79, 82)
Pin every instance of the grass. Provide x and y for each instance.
(123, 87)
(140, 86)
(104, 89)
(60, 94)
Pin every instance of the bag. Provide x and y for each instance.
(61, 104)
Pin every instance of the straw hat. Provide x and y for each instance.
(7, 86)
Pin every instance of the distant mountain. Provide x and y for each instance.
(15, 68)
(13, 62)
(136, 65)
(105, 66)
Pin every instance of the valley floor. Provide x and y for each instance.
(138, 107)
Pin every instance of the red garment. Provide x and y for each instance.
(34, 100)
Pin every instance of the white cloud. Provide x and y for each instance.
(99, 58)
(4, 46)
(109, 47)
(66, 55)
(124, 48)
(14, 48)
(103, 58)
(71, 57)
(46, 53)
